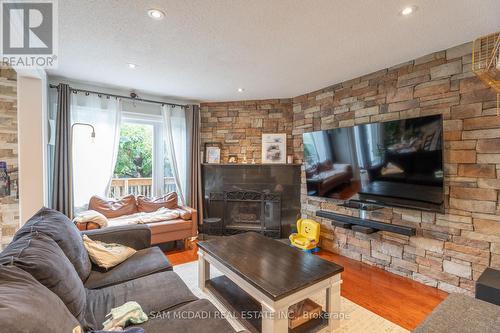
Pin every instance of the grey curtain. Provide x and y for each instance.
(62, 189)
(194, 195)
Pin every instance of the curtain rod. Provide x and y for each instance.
(53, 86)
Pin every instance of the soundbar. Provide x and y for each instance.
(345, 221)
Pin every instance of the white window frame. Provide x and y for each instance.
(158, 177)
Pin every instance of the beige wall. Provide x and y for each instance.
(32, 144)
(9, 206)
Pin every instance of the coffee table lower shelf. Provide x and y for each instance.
(238, 302)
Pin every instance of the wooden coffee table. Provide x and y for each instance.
(264, 277)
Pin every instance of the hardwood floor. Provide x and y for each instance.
(395, 298)
(179, 257)
(398, 299)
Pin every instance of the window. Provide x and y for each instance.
(168, 181)
(134, 162)
(142, 166)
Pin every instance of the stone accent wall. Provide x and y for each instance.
(238, 126)
(450, 250)
(9, 206)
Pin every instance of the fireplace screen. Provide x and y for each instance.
(251, 211)
(244, 213)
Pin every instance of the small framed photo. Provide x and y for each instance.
(212, 152)
(274, 148)
(233, 159)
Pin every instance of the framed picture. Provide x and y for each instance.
(274, 148)
(233, 159)
(212, 152)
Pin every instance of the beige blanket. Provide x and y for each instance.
(91, 216)
(162, 214)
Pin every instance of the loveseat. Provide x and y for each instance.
(48, 283)
(130, 209)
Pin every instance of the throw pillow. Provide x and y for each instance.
(107, 255)
(149, 205)
(111, 208)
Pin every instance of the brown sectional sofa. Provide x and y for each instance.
(48, 284)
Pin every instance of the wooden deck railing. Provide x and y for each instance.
(138, 186)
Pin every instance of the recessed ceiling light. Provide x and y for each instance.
(241, 90)
(408, 10)
(156, 14)
(132, 66)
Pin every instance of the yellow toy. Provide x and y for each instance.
(307, 236)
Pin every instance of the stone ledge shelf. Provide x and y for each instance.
(365, 225)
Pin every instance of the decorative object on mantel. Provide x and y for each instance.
(486, 62)
(212, 152)
(233, 159)
(289, 159)
(274, 148)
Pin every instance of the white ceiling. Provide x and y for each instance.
(206, 49)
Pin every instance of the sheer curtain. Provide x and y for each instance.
(93, 159)
(174, 121)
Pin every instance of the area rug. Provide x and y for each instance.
(356, 319)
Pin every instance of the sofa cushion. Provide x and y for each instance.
(60, 228)
(28, 306)
(156, 292)
(148, 205)
(206, 319)
(142, 263)
(40, 256)
(112, 208)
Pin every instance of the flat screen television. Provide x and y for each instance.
(396, 163)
